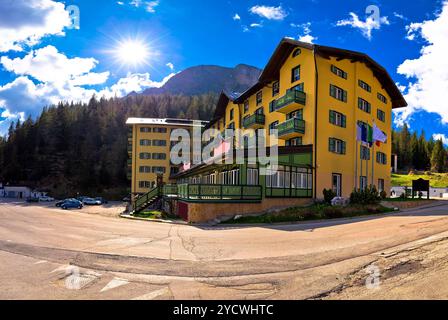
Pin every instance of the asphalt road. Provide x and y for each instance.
(47, 253)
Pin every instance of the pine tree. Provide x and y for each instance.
(438, 157)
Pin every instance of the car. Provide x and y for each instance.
(72, 204)
(81, 198)
(103, 201)
(60, 203)
(46, 199)
(91, 202)
(32, 200)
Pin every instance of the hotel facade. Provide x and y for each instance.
(315, 97)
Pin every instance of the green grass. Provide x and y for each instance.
(436, 180)
(314, 212)
(155, 215)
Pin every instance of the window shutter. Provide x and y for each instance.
(332, 91)
(344, 95)
(343, 147)
(332, 117)
(344, 121)
(331, 145)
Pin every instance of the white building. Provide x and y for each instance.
(20, 192)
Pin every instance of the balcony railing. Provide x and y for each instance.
(255, 120)
(290, 128)
(219, 193)
(289, 101)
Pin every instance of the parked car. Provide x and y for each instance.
(46, 199)
(72, 204)
(127, 199)
(81, 198)
(91, 202)
(103, 201)
(32, 200)
(60, 203)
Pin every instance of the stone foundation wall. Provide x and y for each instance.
(204, 212)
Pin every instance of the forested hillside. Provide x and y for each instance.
(81, 148)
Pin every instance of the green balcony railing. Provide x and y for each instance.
(293, 96)
(129, 148)
(170, 190)
(254, 120)
(219, 193)
(129, 162)
(293, 125)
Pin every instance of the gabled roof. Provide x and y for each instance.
(223, 101)
(287, 45)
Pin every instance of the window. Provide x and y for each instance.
(296, 52)
(231, 126)
(365, 153)
(259, 111)
(145, 156)
(144, 169)
(145, 142)
(381, 158)
(158, 170)
(382, 98)
(275, 88)
(364, 85)
(338, 119)
(336, 179)
(144, 184)
(363, 182)
(364, 105)
(299, 87)
(159, 156)
(159, 130)
(295, 74)
(290, 177)
(339, 72)
(294, 142)
(246, 106)
(298, 114)
(338, 93)
(380, 185)
(252, 177)
(273, 126)
(159, 143)
(231, 114)
(381, 115)
(336, 146)
(259, 98)
(145, 129)
(230, 177)
(272, 106)
(174, 170)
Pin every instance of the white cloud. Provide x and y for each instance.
(400, 16)
(256, 25)
(236, 17)
(270, 13)
(440, 136)
(150, 6)
(170, 65)
(412, 30)
(428, 74)
(365, 27)
(305, 32)
(136, 82)
(49, 65)
(24, 22)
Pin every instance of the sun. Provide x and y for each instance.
(132, 52)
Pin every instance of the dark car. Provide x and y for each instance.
(103, 201)
(32, 200)
(60, 203)
(72, 204)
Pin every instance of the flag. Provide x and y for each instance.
(378, 135)
(370, 136)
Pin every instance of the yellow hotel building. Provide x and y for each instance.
(314, 96)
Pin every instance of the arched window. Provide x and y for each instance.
(296, 52)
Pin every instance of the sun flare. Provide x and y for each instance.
(132, 52)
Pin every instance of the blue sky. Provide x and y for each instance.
(43, 60)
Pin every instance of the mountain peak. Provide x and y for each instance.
(209, 78)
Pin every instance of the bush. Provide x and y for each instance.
(367, 196)
(333, 212)
(329, 195)
(383, 194)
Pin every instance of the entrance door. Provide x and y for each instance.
(337, 184)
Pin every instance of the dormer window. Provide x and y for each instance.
(296, 52)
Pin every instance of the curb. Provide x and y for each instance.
(124, 216)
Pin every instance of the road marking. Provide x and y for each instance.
(115, 283)
(153, 295)
(41, 262)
